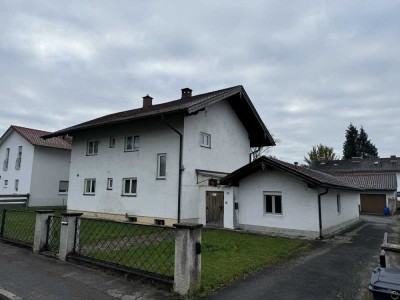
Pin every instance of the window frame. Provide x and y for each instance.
(112, 142)
(62, 192)
(205, 135)
(338, 204)
(5, 183)
(135, 143)
(130, 194)
(95, 146)
(16, 185)
(110, 184)
(273, 194)
(92, 187)
(159, 176)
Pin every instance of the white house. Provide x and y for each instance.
(158, 164)
(34, 166)
(273, 196)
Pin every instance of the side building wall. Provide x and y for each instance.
(155, 199)
(50, 166)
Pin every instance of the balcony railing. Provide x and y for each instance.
(5, 165)
(18, 163)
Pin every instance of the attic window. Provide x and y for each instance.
(132, 143)
(92, 148)
(205, 140)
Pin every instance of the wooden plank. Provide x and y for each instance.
(391, 247)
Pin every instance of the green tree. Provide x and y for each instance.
(365, 147)
(350, 144)
(357, 144)
(320, 153)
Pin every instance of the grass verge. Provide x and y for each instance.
(228, 255)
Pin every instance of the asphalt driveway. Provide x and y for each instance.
(339, 268)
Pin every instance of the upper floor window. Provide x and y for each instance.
(338, 204)
(5, 163)
(63, 187)
(272, 202)
(92, 148)
(129, 186)
(161, 165)
(132, 143)
(16, 185)
(205, 140)
(90, 186)
(112, 142)
(110, 182)
(18, 160)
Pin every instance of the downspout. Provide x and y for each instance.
(319, 212)
(180, 167)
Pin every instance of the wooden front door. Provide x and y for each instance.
(215, 209)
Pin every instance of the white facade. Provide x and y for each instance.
(41, 170)
(299, 215)
(155, 198)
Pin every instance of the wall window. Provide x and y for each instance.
(205, 140)
(5, 183)
(16, 185)
(272, 202)
(18, 160)
(90, 186)
(338, 204)
(112, 142)
(92, 148)
(110, 182)
(63, 187)
(132, 143)
(5, 163)
(161, 165)
(129, 186)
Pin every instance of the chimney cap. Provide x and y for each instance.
(186, 92)
(147, 101)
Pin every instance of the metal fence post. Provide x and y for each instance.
(187, 275)
(67, 234)
(3, 221)
(41, 229)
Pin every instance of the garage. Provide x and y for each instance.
(373, 203)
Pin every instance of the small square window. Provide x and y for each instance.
(90, 186)
(110, 182)
(272, 203)
(205, 140)
(92, 148)
(161, 166)
(132, 143)
(63, 187)
(159, 222)
(129, 186)
(112, 142)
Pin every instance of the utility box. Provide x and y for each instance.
(385, 283)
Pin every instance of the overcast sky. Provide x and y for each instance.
(310, 67)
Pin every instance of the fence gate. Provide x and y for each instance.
(53, 234)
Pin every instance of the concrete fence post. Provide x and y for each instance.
(67, 234)
(187, 275)
(39, 240)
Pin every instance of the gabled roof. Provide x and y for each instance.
(236, 97)
(355, 165)
(33, 136)
(310, 176)
(371, 181)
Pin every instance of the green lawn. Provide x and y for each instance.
(19, 225)
(228, 255)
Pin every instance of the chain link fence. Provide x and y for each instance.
(53, 234)
(147, 249)
(18, 226)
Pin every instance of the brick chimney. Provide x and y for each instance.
(147, 101)
(186, 93)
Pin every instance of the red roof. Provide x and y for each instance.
(33, 136)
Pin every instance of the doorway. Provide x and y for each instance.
(215, 209)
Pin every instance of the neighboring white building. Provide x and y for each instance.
(158, 164)
(31, 165)
(273, 196)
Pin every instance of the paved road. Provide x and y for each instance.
(33, 276)
(339, 268)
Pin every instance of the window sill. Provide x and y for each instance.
(61, 193)
(161, 178)
(109, 189)
(89, 194)
(128, 195)
(91, 154)
(273, 214)
(134, 150)
(205, 146)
